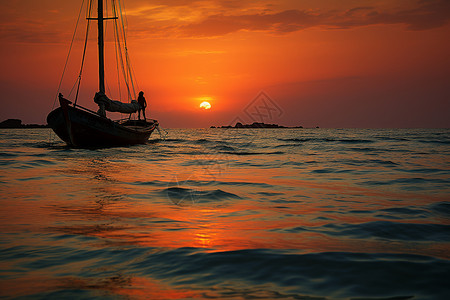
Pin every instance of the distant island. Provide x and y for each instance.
(16, 123)
(256, 125)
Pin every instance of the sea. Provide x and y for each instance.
(227, 214)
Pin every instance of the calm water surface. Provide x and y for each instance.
(228, 214)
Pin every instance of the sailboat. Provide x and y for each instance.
(81, 127)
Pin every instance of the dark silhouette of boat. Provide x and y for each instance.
(82, 127)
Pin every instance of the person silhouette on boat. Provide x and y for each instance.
(142, 105)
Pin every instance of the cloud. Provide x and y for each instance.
(32, 32)
(35, 22)
(427, 14)
(286, 21)
(211, 18)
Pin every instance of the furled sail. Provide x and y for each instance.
(104, 103)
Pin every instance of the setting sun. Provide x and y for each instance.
(205, 105)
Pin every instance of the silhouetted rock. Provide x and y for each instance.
(255, 125)
(11, 123)
(16, 123)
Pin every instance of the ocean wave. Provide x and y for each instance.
(152, 183)
(224, 148)
(441, 208)
(8, 154)
(411, 183)
(366, 149)
(294, 140)
(425, 170)
(328, 274)
(327, 140)
(242, 153)
(395, 231)
(179, 194)
(245, 183)
(243, 272)
(350, 141)
(367, 162)
(285, 146)
(175, 140)
(381, 229)
(202, 141)
(440, 141)
(252, 153)
(41, 162)
(209, 160)
(330, 170)
(42, 145)
(403, 212)
(388, 138)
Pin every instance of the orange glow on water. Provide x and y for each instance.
(213, 194)
(101, 208)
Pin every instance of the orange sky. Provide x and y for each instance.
(348, 63)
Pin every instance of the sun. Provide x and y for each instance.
(205, 105)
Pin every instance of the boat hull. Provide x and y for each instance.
(80, 128)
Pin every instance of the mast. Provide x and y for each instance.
(101, 50)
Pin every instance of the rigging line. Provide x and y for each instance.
(74, 85)
(84, 51)
(78, 80)
(107, 12)
(117, 64)
(134, 76)
(116, 48)
(124, 73)
(121, 60)
(123, 64)
(68, 54)
(124, 20)
(133, 79)
(66, 63)
(105, 32)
